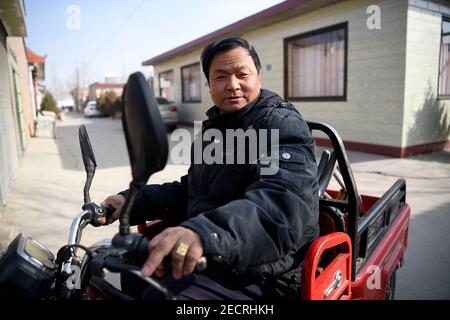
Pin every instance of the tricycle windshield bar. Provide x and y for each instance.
(354, 202)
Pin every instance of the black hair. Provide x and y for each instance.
(224, 45)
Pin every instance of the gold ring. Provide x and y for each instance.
(182, 249)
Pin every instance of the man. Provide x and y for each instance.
(253, 228)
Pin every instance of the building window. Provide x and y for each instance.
(316, 64)
(444, 61)
(166, 85)
(190, 80)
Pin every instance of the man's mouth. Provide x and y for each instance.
(233, 99)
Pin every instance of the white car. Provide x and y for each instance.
(91, 110)
(169, 113)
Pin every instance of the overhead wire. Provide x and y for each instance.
(124, 22)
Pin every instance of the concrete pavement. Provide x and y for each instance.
(48, 193)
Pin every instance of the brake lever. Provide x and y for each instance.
(201, 266)
(154, 283)
(113, 261)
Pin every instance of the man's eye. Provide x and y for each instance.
(220, 77)
(243, 74)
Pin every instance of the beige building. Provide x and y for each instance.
(376, 70)
(16, 97)
(22, 91)
(37, 69)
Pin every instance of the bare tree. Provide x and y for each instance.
(77, 84)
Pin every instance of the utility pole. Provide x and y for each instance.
(77, 91)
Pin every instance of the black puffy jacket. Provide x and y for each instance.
(253, 223)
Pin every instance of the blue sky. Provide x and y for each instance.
(116, 36)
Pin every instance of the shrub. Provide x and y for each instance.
(115, 109)
(49, 104)
(105, 101)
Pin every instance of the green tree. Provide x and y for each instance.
(49, 104)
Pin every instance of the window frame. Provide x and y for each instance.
(159, 82)
(182, 83)
(438, 95)
(339, 26)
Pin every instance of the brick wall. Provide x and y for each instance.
(373, 111)
(426, 118)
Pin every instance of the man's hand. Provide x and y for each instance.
(117, 201)
(184, 246)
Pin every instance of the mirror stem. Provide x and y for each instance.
(125, 215)
(87, 186)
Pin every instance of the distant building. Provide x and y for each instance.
(376, 70)
(111, 78)
(37, 68)
(97, 88)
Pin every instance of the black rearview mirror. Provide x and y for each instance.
(144, 130)
(88, 159)
(146, 139)
(86, 150)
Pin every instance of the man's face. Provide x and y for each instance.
(233, 79)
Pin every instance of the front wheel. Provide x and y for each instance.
(390, 288)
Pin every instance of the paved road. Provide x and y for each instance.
(47, 194)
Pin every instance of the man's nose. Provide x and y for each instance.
(233, 84)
